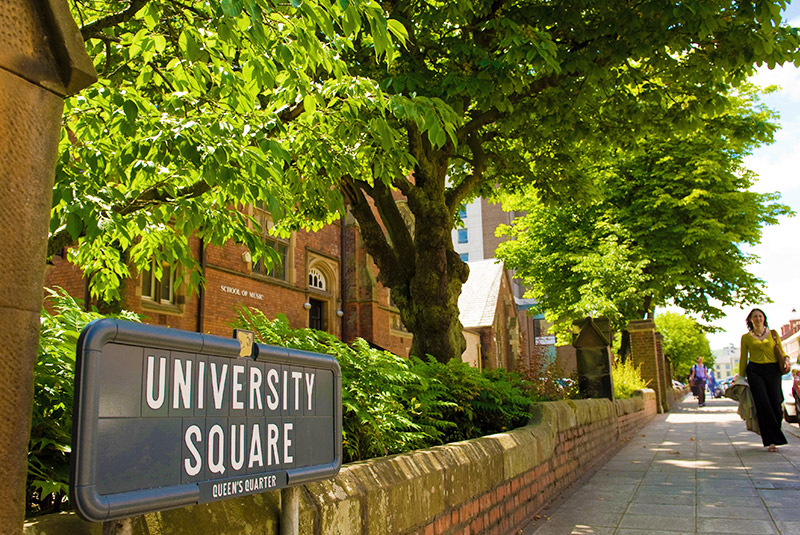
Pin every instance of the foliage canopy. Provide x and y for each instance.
(665, 225)
(204, 108)
(684, 341)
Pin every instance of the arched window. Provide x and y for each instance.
(316, 280)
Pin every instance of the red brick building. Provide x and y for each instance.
(327, 281)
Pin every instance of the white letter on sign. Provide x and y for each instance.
(193, 433)
(296, 376)
(255, 389)
(255, 448)
(310, 388)
(156, 402)
(273, 399)
(181, 385)
(216, 465)
(218, 383)
(287, 443)
(237, 464)
(236, 403)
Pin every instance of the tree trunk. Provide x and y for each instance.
(431, 312)
(414, 254)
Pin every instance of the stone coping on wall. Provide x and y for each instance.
(401, 493)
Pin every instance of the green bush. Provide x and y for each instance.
(51, 422)
(627, 379)
(392, 404)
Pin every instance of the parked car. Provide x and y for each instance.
(791, 406)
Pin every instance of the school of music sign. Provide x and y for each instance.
(165, 418)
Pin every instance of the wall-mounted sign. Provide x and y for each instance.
(165, 418)
(243, 292)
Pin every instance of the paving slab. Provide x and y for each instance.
(692, 470)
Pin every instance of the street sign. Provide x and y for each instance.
(165, 418)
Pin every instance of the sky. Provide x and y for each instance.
(778, 167)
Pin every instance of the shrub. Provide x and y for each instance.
(386, 407)
(627, 379)
(392, 404)
(51, 422)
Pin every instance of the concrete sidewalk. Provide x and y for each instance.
(694, 470)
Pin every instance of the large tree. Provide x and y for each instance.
(684, 340)
(187, 126)
(205, 105)
(538, 90)
(665, 226)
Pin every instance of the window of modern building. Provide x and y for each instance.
(462, 235)
(464, 257)
(158, 291)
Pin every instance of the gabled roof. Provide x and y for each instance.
(477, 303)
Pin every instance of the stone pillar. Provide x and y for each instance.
(42, 59)
(664, 375)
(594, 362)
(644, 353)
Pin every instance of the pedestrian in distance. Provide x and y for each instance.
(698, 378)
(796, 388)
(759, 364)
(713, 386)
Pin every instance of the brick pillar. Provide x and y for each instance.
(644, 353)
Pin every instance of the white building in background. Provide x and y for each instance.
(726, 362)
(475, 241)
(790, 336)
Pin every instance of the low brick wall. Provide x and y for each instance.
(489, 485)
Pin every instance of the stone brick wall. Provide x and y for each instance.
(487, 486)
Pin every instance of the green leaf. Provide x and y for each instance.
(310, 103)
(232, 8)
(131, 110)
(189, 45)
(74, 225)
(397, 29)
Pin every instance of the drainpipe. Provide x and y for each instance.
(341, 277)
(201, 292)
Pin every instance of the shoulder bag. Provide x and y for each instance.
(782, 360)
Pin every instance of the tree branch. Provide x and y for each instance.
(94, 28)
(455, 196)
(290, 113)
(152, 196)
(383, 254)
(396, 226)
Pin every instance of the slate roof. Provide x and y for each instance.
(478, 300)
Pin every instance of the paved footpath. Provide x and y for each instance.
(693, 470)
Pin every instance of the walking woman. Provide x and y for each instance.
(759, 365)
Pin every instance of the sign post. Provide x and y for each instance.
(166, 418)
